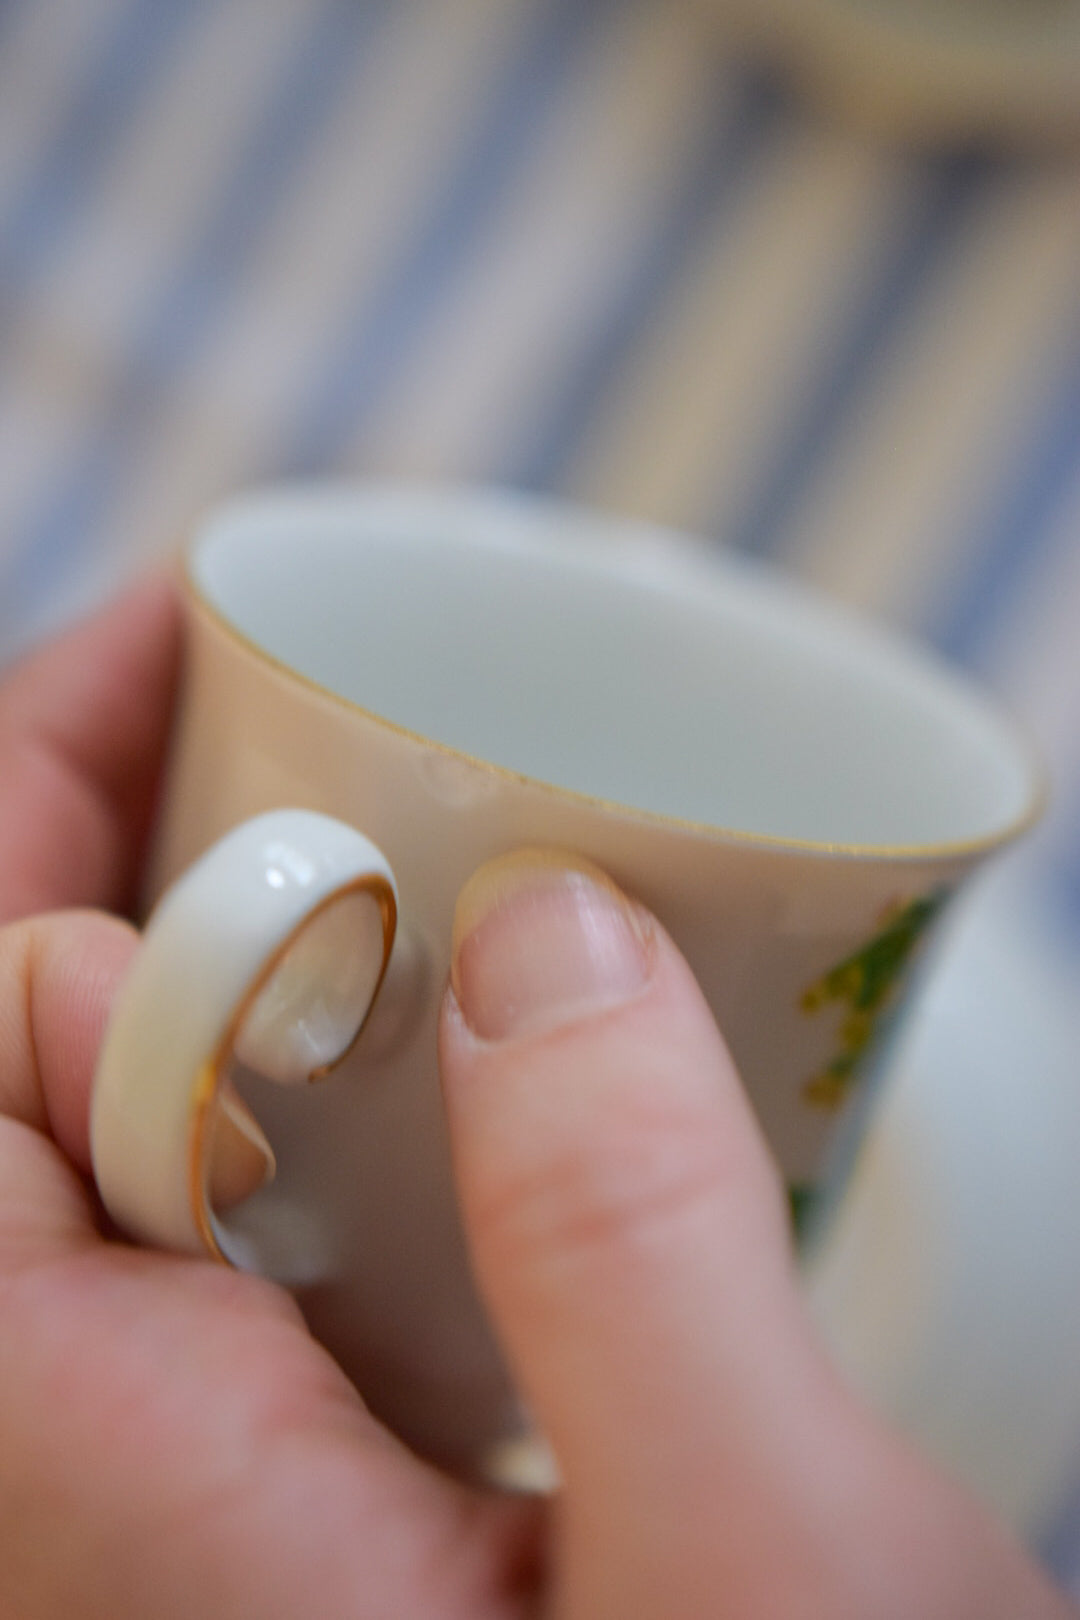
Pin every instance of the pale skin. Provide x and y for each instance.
(172, 1441)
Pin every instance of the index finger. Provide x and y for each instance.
(84, 723)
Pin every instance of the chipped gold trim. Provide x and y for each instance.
(946, 851)
(212, 1072)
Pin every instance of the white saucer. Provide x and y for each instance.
(949, 1283)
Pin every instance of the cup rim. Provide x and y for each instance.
(1031, 761)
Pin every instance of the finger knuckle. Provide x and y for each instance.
(578, 1203)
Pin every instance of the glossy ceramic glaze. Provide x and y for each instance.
(456, 675)
(267, 956)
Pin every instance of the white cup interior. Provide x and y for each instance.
(609, 659)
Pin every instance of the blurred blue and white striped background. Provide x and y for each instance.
(573, 245)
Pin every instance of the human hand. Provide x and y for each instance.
(630, 1238)
(172, 1441)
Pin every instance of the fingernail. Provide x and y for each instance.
(541, 940)
(241, 1160)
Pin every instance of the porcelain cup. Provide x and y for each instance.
(384, 688)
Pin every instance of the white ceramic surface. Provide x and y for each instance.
(948, 1286)
(214, 980)
(456, 675)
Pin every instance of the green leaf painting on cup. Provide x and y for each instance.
(865, 983)
(803, 1199)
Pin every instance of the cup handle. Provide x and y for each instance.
(270, 949)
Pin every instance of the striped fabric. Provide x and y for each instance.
(572, 245)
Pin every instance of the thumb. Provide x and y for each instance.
(626, 1223)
